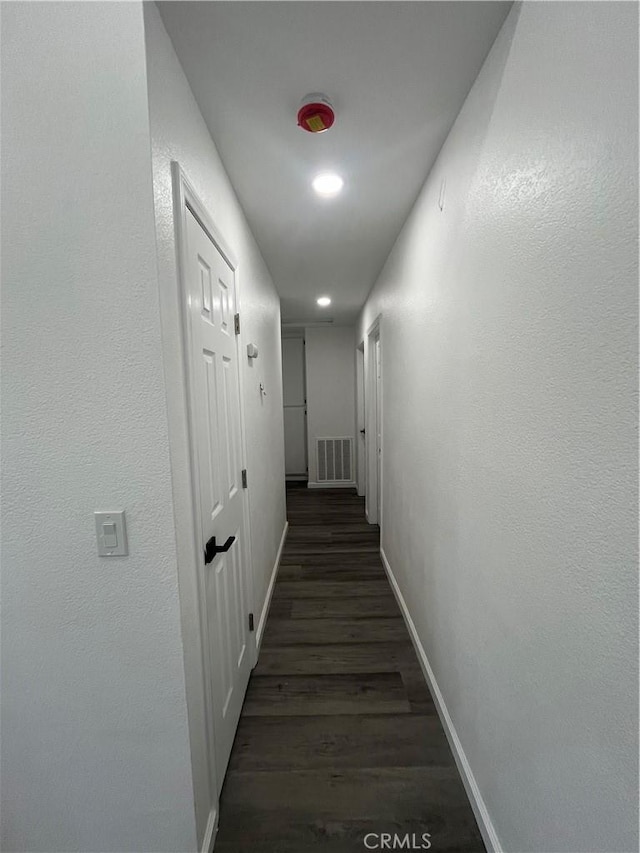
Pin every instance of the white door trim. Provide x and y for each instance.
(185, 198)
(373, 511)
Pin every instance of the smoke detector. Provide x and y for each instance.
(316, 113)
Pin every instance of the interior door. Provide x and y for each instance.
(361, 422)
(295, 407)
(378, 369)
(215, 410)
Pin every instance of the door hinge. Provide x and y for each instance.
(244, 478)
(236, 323)
(251, 628)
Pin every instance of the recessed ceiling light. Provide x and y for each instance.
(323, 301)
(327, 184)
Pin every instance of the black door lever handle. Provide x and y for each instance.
(211, 549)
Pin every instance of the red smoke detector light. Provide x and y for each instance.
(316, 114)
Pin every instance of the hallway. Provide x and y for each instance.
(339, 736)
(388, 248)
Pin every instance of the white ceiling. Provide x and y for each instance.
(397, 74)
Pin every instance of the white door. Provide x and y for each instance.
(295, 407)
(378, 368)
(373, 418)
(360, 422)
(215, 410)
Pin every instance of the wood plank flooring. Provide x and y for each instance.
(338, 736)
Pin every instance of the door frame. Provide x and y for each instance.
(361, 400)
(186, 198)
(373, 511)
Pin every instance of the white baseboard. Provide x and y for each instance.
(267, 602)
(209, 839)
(485, 824)
(333, 485)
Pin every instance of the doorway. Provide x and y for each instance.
(294, 396)
(361, 456)
(208, 300)
(373, 424)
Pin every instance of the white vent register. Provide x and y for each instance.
(335, 460)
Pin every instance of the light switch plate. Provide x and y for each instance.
(106, 524)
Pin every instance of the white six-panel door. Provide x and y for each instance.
(215, 414)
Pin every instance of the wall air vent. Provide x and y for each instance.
(335, 460)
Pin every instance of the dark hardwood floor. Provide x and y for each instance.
(339, 736)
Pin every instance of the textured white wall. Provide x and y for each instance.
(510, 452)
(179, 133)
(331, 386)
(95, 745)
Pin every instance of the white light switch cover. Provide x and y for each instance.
(111, 533)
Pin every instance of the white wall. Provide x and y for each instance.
(179, 133)
(95, 744)
(331, 381)
(510, 451)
